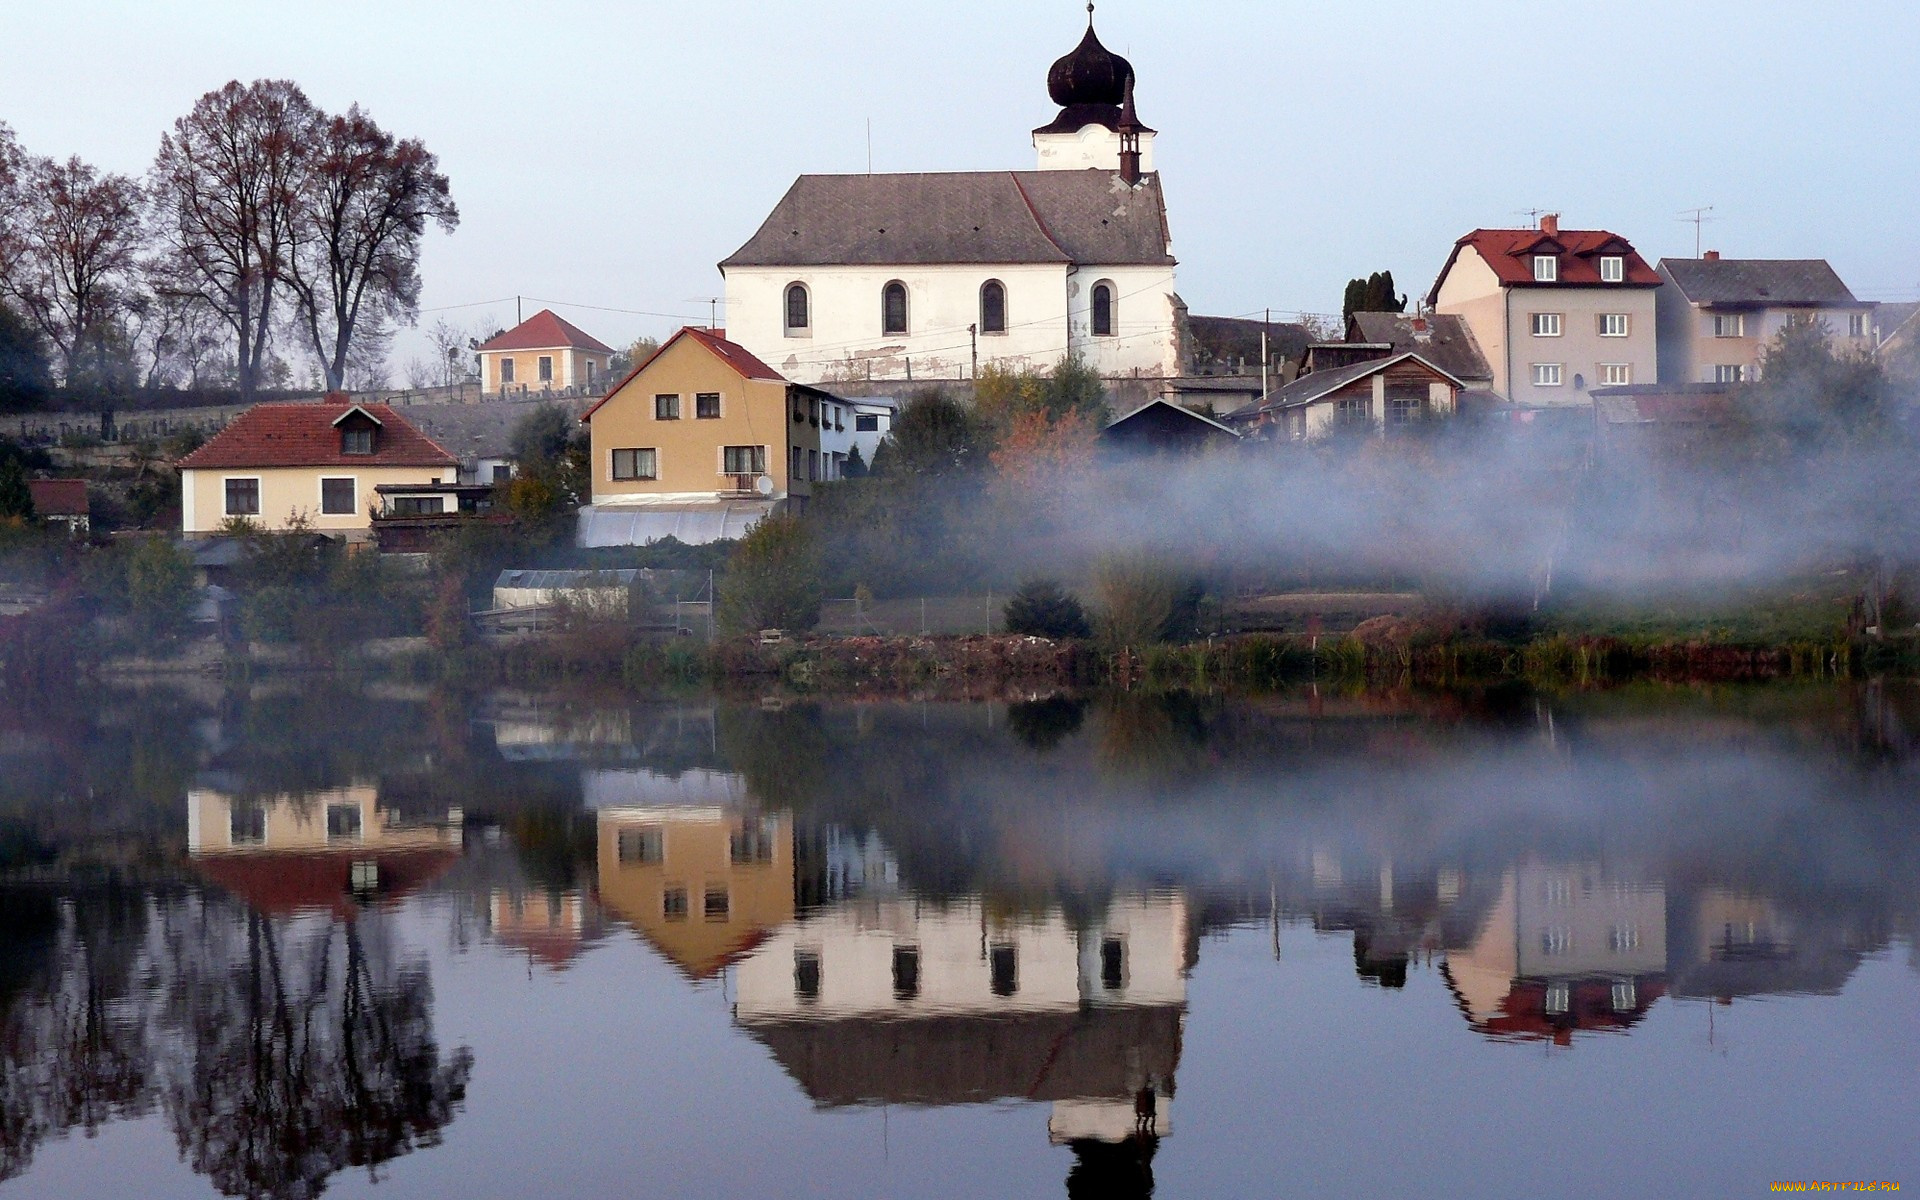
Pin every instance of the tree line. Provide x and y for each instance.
(264, 224)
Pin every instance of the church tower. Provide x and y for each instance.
(1094, 88)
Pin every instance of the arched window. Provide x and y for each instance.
(1103, 314)
(993, 307)
(893, 308)
(799, 310)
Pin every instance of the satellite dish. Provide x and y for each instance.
(764, 485)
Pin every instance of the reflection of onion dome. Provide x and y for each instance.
(1092, 74)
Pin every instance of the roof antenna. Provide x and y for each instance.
(1699, 217)
(869, 145)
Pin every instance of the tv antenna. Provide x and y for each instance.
(1698, 217)
(1532, 215)
(713, 305)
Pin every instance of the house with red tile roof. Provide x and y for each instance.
(701, 441)
(62, 501)
(544, 353)
(325, 462)
(1557, 312)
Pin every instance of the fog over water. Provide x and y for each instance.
(274, 941)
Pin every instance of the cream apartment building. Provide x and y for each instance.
(1557, 312)
(1717, 315)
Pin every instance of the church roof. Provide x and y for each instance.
(988, 217)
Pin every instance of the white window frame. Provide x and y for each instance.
(786, 310)
(352, 508)
(259, 497)
(1729, 373)
(1547, 324)
(1722, 321)
(1546, 268)
(1856, 325)
(1613, 268)
(1607, 326)
(759, 453)
(1625, 371)
(1542, 370)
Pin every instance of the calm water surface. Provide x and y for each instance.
(294, 940)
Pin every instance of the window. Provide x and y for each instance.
(1402, 410)
(635, 464)
(1614, 325)
(813, 466)
(1556, 940)
(243, 497)
(743, 460)
(993, 307)
(506, 370)
(1546, 374)
(1623, 996)
(1616, 374)
(1103, 321)
(1003, 968)
(673, 904)
(1613, 268)
(714, 904)
(1113, 964)
(343, 821)
(418, 506)
(337, 497)
(893, 308)
(1556, 891)
(1622, 938)
(799, 310)
(1856, 324)
(666, 408)
(247, 824)
(906, 972)
(356, 441)
(1546, 324)
(838, 424)
(751, 844)
(806, 973)
(591, 366)
(501, 473)
(1559, 999)
(1729, 373)
(796, 463)
(1546, 268)
(865, 423)
(706, 406)
(643, 845)
(546, 368)
(1729, 324)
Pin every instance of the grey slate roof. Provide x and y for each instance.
(1449, 344)
(483, 430)
(1894, 316)
(986, 217)
(1757, 282)
(1309, 388)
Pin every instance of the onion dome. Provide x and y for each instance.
(1092, 74)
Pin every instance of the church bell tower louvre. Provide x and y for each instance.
(1096, 128)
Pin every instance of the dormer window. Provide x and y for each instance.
(356, 441)
(1546, 268)
(1613, 268)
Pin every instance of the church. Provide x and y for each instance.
(933, 276)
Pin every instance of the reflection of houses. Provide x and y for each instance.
(899, 1000)
(1564, 948)
(702, 882)
(316, 850)
(551, 927)
(1727, 944)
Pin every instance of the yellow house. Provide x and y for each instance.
(543, 354)
(699, 442)
(321, 462)
(704, 885)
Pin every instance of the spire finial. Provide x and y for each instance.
(1089, 14)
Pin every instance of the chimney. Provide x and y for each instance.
(1550, 224)
(1711, 256)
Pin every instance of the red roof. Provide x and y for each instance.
(305, 435)
(742, 360)
(58, 497)
(321, 880)
(545, 331)
(1510, 253)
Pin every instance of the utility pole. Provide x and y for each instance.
(973, 336)
(517, 317)
(1263, 354)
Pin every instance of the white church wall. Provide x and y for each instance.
(1144, 341)
(1094, 147)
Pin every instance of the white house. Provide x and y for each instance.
(848, 422)
(932, 275)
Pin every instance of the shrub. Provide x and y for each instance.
(773, 580)
(1042, 608)
(1138, 600)
(159, 587)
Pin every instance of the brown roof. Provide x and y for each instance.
(305, 435)
(984, 217)
(58, 497)
(1443, 339)
(545, 331)
(744, 362)
(1510, 253)
(277, 882)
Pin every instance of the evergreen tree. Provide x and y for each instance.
(855, 467)
(24, 376)
(1373, 294)
(16, 499)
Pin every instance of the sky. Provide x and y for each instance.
(606, 155)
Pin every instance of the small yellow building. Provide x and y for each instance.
(700, 442)
(543, 354)
(321, 462)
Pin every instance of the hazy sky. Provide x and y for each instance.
(609, 154)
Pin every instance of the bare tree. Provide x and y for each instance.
(355, 264)
(76, 236)
(13, 162)
(226, 188)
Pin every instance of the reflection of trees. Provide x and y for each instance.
(282, 1050)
